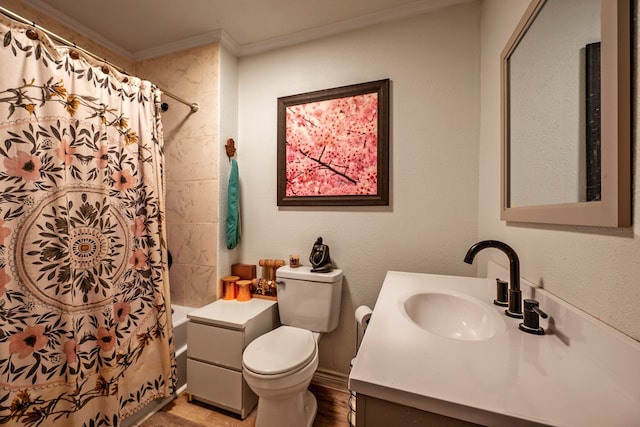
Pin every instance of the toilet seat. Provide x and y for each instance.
(285, 349)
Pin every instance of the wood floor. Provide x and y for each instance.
(332, 412)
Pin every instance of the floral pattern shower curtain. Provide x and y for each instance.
(85, 321)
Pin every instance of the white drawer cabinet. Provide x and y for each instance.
(217, 345)
(217, 334)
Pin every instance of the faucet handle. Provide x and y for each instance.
(532, 314)
(502, 297)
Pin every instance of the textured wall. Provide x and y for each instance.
(228, 116)
(594, 269)
(433, 63)
(548, 108)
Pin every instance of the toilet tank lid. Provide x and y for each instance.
(304, 273)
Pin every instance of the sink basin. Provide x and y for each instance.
(455, 316)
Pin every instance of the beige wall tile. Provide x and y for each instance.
(193, 244)
(191, 146)
(200, 289)
(191, 159)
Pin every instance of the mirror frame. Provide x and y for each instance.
(614, 210)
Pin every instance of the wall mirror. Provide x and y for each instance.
(566, 115)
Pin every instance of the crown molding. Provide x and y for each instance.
(79, 28)
(221, 36)
(216, 36)
(400, 12)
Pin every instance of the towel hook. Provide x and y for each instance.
(231, 148)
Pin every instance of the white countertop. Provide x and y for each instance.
(512, 379)
(230, 314)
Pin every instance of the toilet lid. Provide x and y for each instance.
(281, 350)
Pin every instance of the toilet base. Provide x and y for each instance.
(294, 411)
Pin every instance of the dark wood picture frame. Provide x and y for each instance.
(316, 158)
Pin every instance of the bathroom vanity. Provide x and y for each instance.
(412, 369)
(217, 335)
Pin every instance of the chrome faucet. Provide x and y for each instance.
(515, 294)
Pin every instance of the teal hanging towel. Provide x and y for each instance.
(233, 207)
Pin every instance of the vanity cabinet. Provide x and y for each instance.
(373, 412)
(405, 373)
(217, 334)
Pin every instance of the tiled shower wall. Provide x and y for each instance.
(191, 147)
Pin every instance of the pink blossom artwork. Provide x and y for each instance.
(331, 149)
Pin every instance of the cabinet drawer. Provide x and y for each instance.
(214, 384)
(215, 345)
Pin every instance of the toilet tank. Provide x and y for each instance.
(309, 300)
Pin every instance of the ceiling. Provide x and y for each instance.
(141, 29)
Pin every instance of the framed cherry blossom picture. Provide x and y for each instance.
(333, 146)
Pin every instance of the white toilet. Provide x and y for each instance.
(279, 365)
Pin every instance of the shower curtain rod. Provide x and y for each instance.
(194, 106)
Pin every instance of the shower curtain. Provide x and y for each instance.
(85, 319)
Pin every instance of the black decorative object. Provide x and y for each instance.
(320, 258)
(593, 143)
